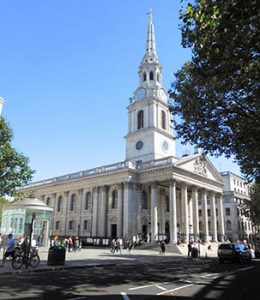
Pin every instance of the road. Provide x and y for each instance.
(179, 278)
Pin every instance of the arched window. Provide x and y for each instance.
(144, 76)
(60, 204)
(88, 202)
(73, 202)
(114, 199)
(228, 225)
(144, 200)
(163, 119)
(71, 225)
(151, 75)
(140, 119)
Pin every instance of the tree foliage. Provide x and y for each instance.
(216, 94)
(14, 168)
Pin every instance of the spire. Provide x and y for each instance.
(1, 105)
(150, 43)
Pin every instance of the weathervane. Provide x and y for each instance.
(150, 14)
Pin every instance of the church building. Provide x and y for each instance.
(152, 194)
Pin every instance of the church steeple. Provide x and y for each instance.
(149, 134)
(150, 42)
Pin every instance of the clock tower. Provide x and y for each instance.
(150, 133)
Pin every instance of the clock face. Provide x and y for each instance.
(165, 146)
(140, 93)
(163, 94)
(139, 145)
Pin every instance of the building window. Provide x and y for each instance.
(200, 226)
(88, 202)
(163, 119)
(71, 225)
(167, 204)
(200, 213)
(73, 202)
(60, 204)
(208, 212)
(57, 225)
(228, 225)
(114, 199)
(86, 225)
(227, 211)
(48, 201)
(140, 119)
(144, 200)
(209, 226)
(216, 212)
(151, 75)
(144, 76)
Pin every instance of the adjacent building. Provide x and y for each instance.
(238, 225)
(152, 194)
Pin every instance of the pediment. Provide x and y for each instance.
(199, 164)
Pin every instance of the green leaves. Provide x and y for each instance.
(14, 169)
(216, 94)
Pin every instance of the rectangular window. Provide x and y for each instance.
(227, 210)
(200, 212)
(57, 225)
(208, 212)
(71, 225)
(85, 225)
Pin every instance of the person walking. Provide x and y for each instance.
(163, 247)
(189, 248)
(10, 251)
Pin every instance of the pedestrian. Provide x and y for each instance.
(113, 246)
(119, 244)
(70, 244)
(10, 251)
(129, 246)
(163, 247)
(189, 248)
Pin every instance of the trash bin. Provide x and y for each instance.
(56, 256)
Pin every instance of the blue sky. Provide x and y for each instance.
(68, 69)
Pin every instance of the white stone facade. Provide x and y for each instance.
(236, 190)
(152, 194)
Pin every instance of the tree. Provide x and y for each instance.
(254, 203)
(216, 94)
(14, 168)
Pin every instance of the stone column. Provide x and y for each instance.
(184, 205)
(80, 210)
(163, 209)
(154, 212)
(102, 212)
(120, 210)
(221, 218)
(173, 212)
(127, 211)
(214, 218)
(205, 215)
(95, 212)
(65, 209)
(195, 213)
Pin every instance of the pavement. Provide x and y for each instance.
(94, 256)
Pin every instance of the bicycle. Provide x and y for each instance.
(30, 258)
